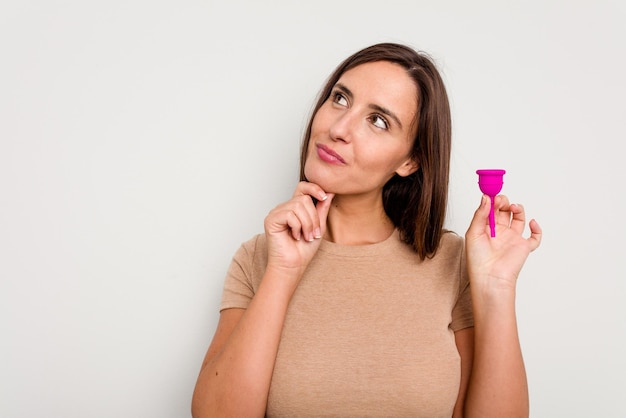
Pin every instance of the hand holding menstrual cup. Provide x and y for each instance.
(490, 183)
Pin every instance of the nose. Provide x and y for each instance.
(342, 127)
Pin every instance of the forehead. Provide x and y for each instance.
(385, 84)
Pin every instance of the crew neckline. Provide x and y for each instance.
(364, 250)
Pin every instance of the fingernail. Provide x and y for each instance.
(324, 197)
(318, 233)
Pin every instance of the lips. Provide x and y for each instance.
(328, 155)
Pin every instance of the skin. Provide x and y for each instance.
(374, 145)
(369, 121)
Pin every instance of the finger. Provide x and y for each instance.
(536, 234)
(480, 221)
(518, 221)
(293, 224)
(502, 210)
(308, 218)
(307, 190)
(322, 210)
(292, 216)
(310, 189)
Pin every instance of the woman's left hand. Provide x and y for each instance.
(495, 262)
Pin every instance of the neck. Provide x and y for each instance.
(358, 220)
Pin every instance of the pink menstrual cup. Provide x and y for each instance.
(490, 183)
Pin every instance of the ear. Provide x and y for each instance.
(407, 168)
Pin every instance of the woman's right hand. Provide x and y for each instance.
(294, 229)
(245, 345)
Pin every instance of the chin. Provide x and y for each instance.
(327, 184)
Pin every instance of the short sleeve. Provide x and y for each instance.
(462, 313)
(242, 277)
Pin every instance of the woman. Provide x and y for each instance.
(355, 301)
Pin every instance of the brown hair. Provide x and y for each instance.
(416, 204)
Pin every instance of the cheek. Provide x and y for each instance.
(321, 120)
(308, 161)
(385, 162)
(316, 126)
(315, 130)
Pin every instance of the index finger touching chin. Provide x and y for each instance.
(310, 189)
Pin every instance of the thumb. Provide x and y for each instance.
(480, 219)
(322, 207)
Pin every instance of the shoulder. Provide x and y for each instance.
(247, 266)
(253, 251)
(256, 243)
(451, 244)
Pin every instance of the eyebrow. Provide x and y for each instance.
(375, 107)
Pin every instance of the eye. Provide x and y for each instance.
(339, 98)
(379, 121)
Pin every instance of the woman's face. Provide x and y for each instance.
(362, 135)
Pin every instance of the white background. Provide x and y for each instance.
(142, 141)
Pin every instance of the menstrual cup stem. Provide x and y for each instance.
(492, 219)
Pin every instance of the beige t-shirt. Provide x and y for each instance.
(369, 331)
